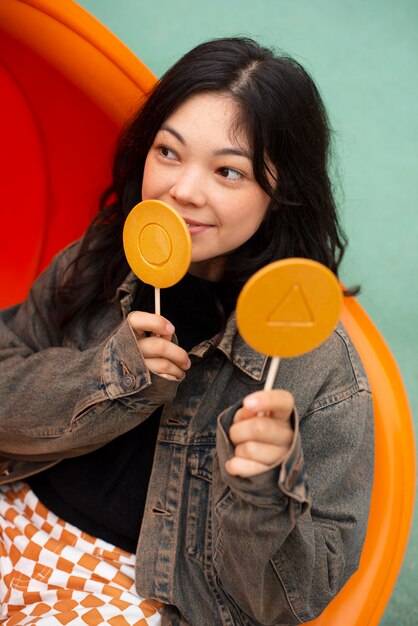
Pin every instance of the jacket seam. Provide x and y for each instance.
(360, 380)
(341, 398)
(286, 593)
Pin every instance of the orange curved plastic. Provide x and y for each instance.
(67, 85)
(363, 599)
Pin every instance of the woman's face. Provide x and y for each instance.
(204, 171)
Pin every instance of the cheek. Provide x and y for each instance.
(257, 207)
(147, 180)
(245, 213)
(154, 180)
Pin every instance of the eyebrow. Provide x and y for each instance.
(222, 152)
(171, 130)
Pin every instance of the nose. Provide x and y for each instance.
(188, 188)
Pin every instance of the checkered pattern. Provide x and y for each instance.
(52, 574)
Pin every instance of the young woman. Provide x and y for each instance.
(132, 441)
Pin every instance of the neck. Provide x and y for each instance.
(210, 270)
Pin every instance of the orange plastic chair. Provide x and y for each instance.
(363, 599)
(67, 86)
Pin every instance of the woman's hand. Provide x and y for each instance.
(261, 432)
(161, 356)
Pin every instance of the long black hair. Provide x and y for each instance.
(286, 124)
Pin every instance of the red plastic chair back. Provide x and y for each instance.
(67, 85)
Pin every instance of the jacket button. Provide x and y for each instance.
(128, 381)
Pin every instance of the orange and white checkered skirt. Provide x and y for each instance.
(51, 573)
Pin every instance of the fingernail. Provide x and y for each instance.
(169, 328)
(188, 364)
(251, 403)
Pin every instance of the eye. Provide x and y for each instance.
(230, 174)
(167, 153)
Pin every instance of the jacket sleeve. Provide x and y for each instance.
(282, 549)
(58, 400)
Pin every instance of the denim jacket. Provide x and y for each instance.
(216, 549)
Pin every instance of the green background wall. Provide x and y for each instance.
(364, 56)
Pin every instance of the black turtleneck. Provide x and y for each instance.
(103, 493)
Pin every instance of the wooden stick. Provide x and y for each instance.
(157, 300)
(271, 375)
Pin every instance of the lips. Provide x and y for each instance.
(196, 227)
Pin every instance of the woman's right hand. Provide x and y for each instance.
(162, 357)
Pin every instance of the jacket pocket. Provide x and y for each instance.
(198, 530)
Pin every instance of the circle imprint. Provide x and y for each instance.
(155, 245)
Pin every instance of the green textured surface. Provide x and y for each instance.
(364, 57)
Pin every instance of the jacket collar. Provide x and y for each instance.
(239, 353)
(129, 286)
(125, 293)
(235, 349)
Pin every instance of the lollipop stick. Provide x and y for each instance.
(157, 300)
(271, 375)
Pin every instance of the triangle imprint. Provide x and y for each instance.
(292, 310)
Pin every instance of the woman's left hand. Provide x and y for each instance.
(261, 432)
